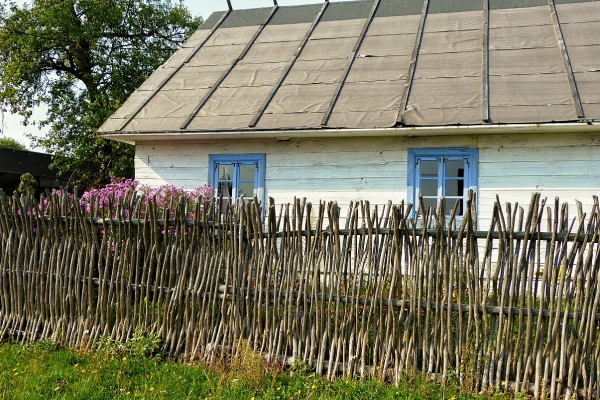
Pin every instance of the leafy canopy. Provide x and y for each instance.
(82, 59)
(10, 143)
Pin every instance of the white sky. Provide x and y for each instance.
(11, 125)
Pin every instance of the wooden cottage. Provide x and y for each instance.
(378, 100)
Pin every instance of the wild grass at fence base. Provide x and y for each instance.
(44, 370)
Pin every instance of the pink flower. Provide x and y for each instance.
(101, 201)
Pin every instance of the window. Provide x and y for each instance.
(237, 176)
(442, 173)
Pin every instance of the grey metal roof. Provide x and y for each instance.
(377, 63)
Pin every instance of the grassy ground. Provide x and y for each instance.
(46, 371)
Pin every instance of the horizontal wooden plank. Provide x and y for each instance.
(539, 140)
(357, 184)
(512, 166)
(537, 182)
(176, 161)
(519, 169)
(299, 147)
(565, 195)
(357, 171)
(565, 154)
(379, 159)
(342, 198)
(283, 178)
(508, 147)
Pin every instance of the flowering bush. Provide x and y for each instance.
(166, 196)
(135, 198)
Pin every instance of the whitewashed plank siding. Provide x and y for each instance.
(374, 168)
(556, 165)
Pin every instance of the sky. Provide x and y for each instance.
(10, 125)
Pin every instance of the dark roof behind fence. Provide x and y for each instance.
(382, 63)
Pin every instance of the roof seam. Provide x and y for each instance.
(172, 74)
(214, 88)
(413, 63)
(349, 64)
(265, 104)
(485, 74)
(565, 54)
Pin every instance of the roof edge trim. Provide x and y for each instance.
(572, 127)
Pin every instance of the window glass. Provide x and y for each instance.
(449, 204)
(246, 189)
(225, 189)
(454, 187)
(429, 187)
(429, 202)
(247, 172)
(442, 173)
(455, 168)
(429, 169)
(225, 172)
(234, 176)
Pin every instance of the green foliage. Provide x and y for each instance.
(139, 346)
(10, 143)
(27, 183)
(82, 59)
(33, 371)
(49, 344)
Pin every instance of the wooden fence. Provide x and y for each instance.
(515, 307)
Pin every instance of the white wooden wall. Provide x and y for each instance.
(374, 168)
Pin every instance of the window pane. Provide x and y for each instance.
(247, 172)
(246, 189)
(455, 168)
(225, 172)
(454, 187)
(428, 187)
(430, 203)
(225, 189)
(449, 206)
(429, 168)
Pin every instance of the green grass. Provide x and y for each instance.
(46, 371)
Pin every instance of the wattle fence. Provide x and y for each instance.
(516, 307)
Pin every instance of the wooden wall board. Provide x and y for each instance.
(512, 166)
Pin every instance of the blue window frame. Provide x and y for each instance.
(237, 176)
(437, 173)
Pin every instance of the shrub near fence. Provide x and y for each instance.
(511, 308)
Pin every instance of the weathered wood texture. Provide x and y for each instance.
(517, 307)
(375, 168)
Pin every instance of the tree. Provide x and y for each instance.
(27, 183)
(10, 143)
(82, 59)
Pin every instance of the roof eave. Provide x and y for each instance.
(283, 134)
